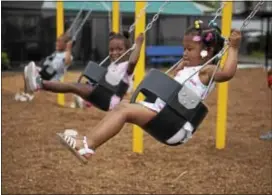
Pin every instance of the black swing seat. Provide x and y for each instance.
(47, 72)
(103, 89)
(182, 105)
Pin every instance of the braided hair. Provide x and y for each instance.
(210, 35)
(122, 36)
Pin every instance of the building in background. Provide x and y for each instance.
(29, 28)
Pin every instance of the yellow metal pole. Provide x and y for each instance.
(115, 16)
(60, 30)
(139, 75)
(222, 100)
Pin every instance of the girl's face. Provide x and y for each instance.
(60, 44)
(116, 49)
(192, 50)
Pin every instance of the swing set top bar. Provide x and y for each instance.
(174, 8)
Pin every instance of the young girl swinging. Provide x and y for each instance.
(198, 49)
(60, 60)
(118, 45)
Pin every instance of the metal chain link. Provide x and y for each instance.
(211, 80)
(132, 27)
(218, 12)
(76, 18)
(105, 5)
(156, 16)
(82, 23)
(252, 14)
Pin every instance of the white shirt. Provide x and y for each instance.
(121, 70)
(57, 61)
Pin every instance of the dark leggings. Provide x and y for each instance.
(80, 89)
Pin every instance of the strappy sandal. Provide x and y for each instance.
(69, 139)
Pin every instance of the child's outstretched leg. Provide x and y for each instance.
(35, 83)
(26, 94)
(108, 127)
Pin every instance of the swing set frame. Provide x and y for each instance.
(137, 141)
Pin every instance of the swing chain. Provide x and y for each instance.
(156, 16)
(76, 18)
(211, 80)
(218, 13)
(105, 5)
(132, 27)
(82, 24)
(252, 14)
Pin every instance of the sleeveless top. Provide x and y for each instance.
(121, 69)
(57, 61)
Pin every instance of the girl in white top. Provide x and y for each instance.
(118, 45)
(140, 114)
(60, 60)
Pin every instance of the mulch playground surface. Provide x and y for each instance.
(34, 162)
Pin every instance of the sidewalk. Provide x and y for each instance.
(250, 60)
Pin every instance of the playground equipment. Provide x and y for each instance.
(108, 83)
(183, 105)
(60, 31)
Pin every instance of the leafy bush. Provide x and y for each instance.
(5, 62)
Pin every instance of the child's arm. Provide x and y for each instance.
(230, 67)
(68, 54)
(180, 66)
(133, 59)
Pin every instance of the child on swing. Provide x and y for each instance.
(60, 60)
(118, 45)
(198, 49)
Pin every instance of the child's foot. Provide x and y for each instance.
(79, 147)
(79, 102)
(33, 78)
(23, 97)
(20, 96)
(17, 96)
(29, 97)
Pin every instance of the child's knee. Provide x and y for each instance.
(123, 109)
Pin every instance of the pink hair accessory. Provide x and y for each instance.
(197, 38)
(209, 36)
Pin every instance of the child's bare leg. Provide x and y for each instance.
(114, 121)
(82, 90)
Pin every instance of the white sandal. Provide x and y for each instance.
(68, 138)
